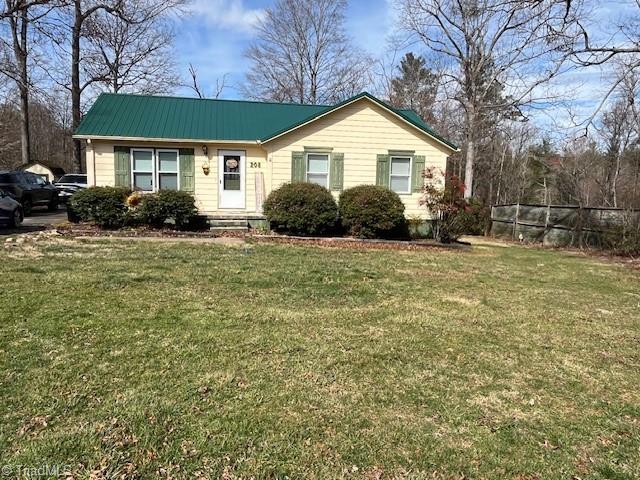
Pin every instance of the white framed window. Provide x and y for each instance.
(142, 171)
(168, 168)
(318, 168)
(155, 169)
(400, 174)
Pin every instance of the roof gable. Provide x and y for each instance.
(408, 116)
(142, 117)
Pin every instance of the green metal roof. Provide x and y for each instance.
(179, 118)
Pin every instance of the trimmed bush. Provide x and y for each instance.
(370, 211)
(103, 205)
(301, 209)
(156, 208)
(476, 218)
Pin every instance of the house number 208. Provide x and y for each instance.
(254, 165)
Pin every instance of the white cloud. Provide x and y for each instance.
(226, 14)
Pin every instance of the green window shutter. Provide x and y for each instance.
(187, 170)
(336, 171)
(298, 167)
(417, 180)
(122, 166)
(382, 171)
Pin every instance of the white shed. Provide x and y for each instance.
(49, 173)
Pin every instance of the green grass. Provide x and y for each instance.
(178, 360)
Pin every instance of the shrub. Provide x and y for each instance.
(370, 211)
(476, 217)
(453, 215)
(155, 209)
(103, 205)
(301, 209)
(623, 236)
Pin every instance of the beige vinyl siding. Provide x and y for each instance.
(361, 131)
(206, 186)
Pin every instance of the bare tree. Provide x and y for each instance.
(623, 41)
(499, 54)
(81, 11)
(221, 84)
(132, 51)
(92, 34)
(303, 54)
(20, 15)
(620, 46)
(195, 86)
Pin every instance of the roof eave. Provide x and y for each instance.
(161, 139)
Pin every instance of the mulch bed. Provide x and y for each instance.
(87, 230)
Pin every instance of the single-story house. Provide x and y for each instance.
(48, 172)
(230, 154)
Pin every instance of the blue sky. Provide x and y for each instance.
(215, 35)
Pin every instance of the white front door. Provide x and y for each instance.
(231, 168)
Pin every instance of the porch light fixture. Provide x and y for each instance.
(205, 150)
(205, 167)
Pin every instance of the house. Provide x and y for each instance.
(230, 154)
(48, 172)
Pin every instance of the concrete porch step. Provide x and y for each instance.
(229, 229)
(235, 222)
(228, 223)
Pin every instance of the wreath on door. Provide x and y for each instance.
(232, 163)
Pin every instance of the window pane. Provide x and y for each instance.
(320, 179)
(168, 181)
(231, 181)
(143, 181)
(318, 163)
(400, 184)
(142, 160)
(400, 166)
(168, 161)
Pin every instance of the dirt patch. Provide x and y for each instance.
(355, 243)
(206, 240)
(462, 301)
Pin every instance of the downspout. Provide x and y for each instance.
(93, 161)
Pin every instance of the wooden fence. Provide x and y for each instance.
(559, 225)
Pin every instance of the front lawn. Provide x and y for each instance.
(146, 359)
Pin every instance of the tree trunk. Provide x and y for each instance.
(504, 154)
(468, 168)
(25, 134)
(19, 32)
(76, 114)
(470, 155)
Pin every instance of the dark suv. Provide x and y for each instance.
(29, 189)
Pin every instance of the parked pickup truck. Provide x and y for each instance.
(69, 184)
(29, 189)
